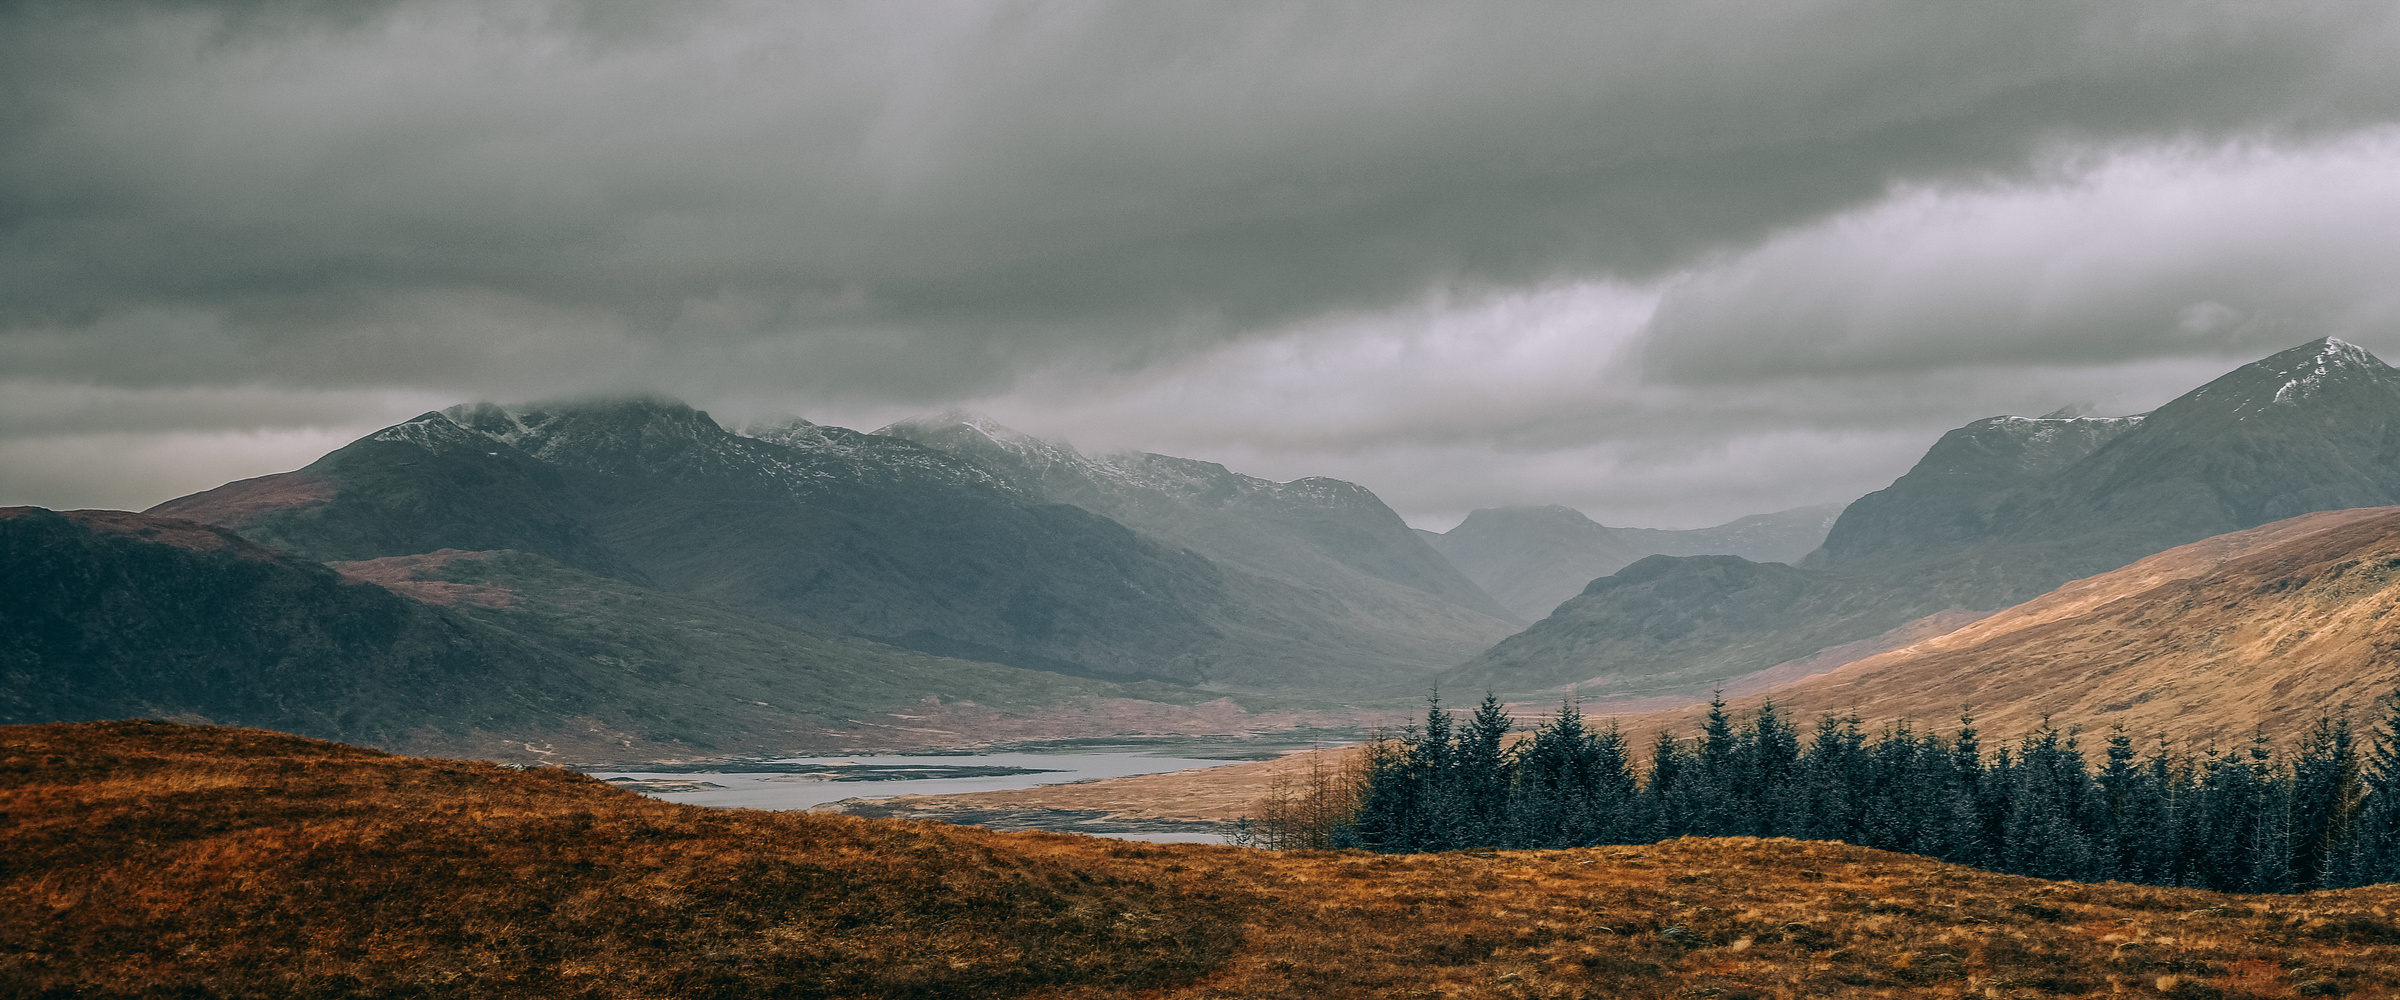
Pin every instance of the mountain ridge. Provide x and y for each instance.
(875, 536)
(1998, 512)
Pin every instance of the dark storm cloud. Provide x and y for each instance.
(1012, 183)
(1667, 260)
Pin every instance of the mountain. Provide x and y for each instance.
(1661, 627)
(1324, 535)
(873, 536)
(1533, 558)
(111, 614)
(2035, 503)
(1996, 513)
(2268, 627)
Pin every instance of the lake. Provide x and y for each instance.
(807, 782)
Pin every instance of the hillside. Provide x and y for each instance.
(2002, 511)
(1533, 558)
(2269, 627)
(151, 859)
(1323, 536)
(872, 536)
(1656, 628)
(504, 654)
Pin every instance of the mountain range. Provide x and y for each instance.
(888, 539)
(1997, 512)
(633, 574)
(1532, 559)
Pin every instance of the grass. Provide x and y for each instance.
(153, 860)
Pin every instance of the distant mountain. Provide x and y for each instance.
(1322, 534)
(111, 614)
(2272, 626)
(1533, 558)
(874, 536)
(1675, 625)
(1998, 512)
(2029, 504)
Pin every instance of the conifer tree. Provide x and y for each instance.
(1719, 807)
(2325, 793)
(1670, 792)
(1479, 777)
(1553, 797)
(2373, 856)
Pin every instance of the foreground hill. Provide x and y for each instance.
(874, 536)
(1533, 558)
(2269, 627)
(111, 614)
(154, 860)
(1998, 512)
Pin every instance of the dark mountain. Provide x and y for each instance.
(874, 536)
(112, 614)
(2025, 505)
(1533, 558)
(2006, 509)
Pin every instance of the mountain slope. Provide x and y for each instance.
(2271, 626)
(1322, 536)
(1533, 558)
(870, 535)
(111, 614)
(2008, 508)
(1657, 627)
(2316, 427)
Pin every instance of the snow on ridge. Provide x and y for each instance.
(428, 431)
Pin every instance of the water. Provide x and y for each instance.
(803, 782)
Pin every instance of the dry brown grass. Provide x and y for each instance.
(150, 860)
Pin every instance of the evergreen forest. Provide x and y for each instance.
(2321, 813)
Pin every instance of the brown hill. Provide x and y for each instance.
(2269, 627)
(146, 859)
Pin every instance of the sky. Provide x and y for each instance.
(1669, 264)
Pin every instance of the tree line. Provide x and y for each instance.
(2322, 813)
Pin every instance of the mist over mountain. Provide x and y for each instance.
(1533, 558)
(884, 538)
(1999, 511)
(1319, 533)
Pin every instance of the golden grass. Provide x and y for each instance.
(143, 859)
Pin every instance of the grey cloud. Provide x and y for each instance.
(2226, 252)
(998, 186)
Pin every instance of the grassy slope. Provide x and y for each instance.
(695, 652)
(153, 860)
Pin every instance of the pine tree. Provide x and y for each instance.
(2114, 835)
(1671, 791)
(2325, 794)
(2047, 795)
(1719, 787)
(1770, 757)
(1551, 799)
(1480, 777)
(2374, 853)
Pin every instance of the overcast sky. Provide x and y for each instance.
(1667, 263)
